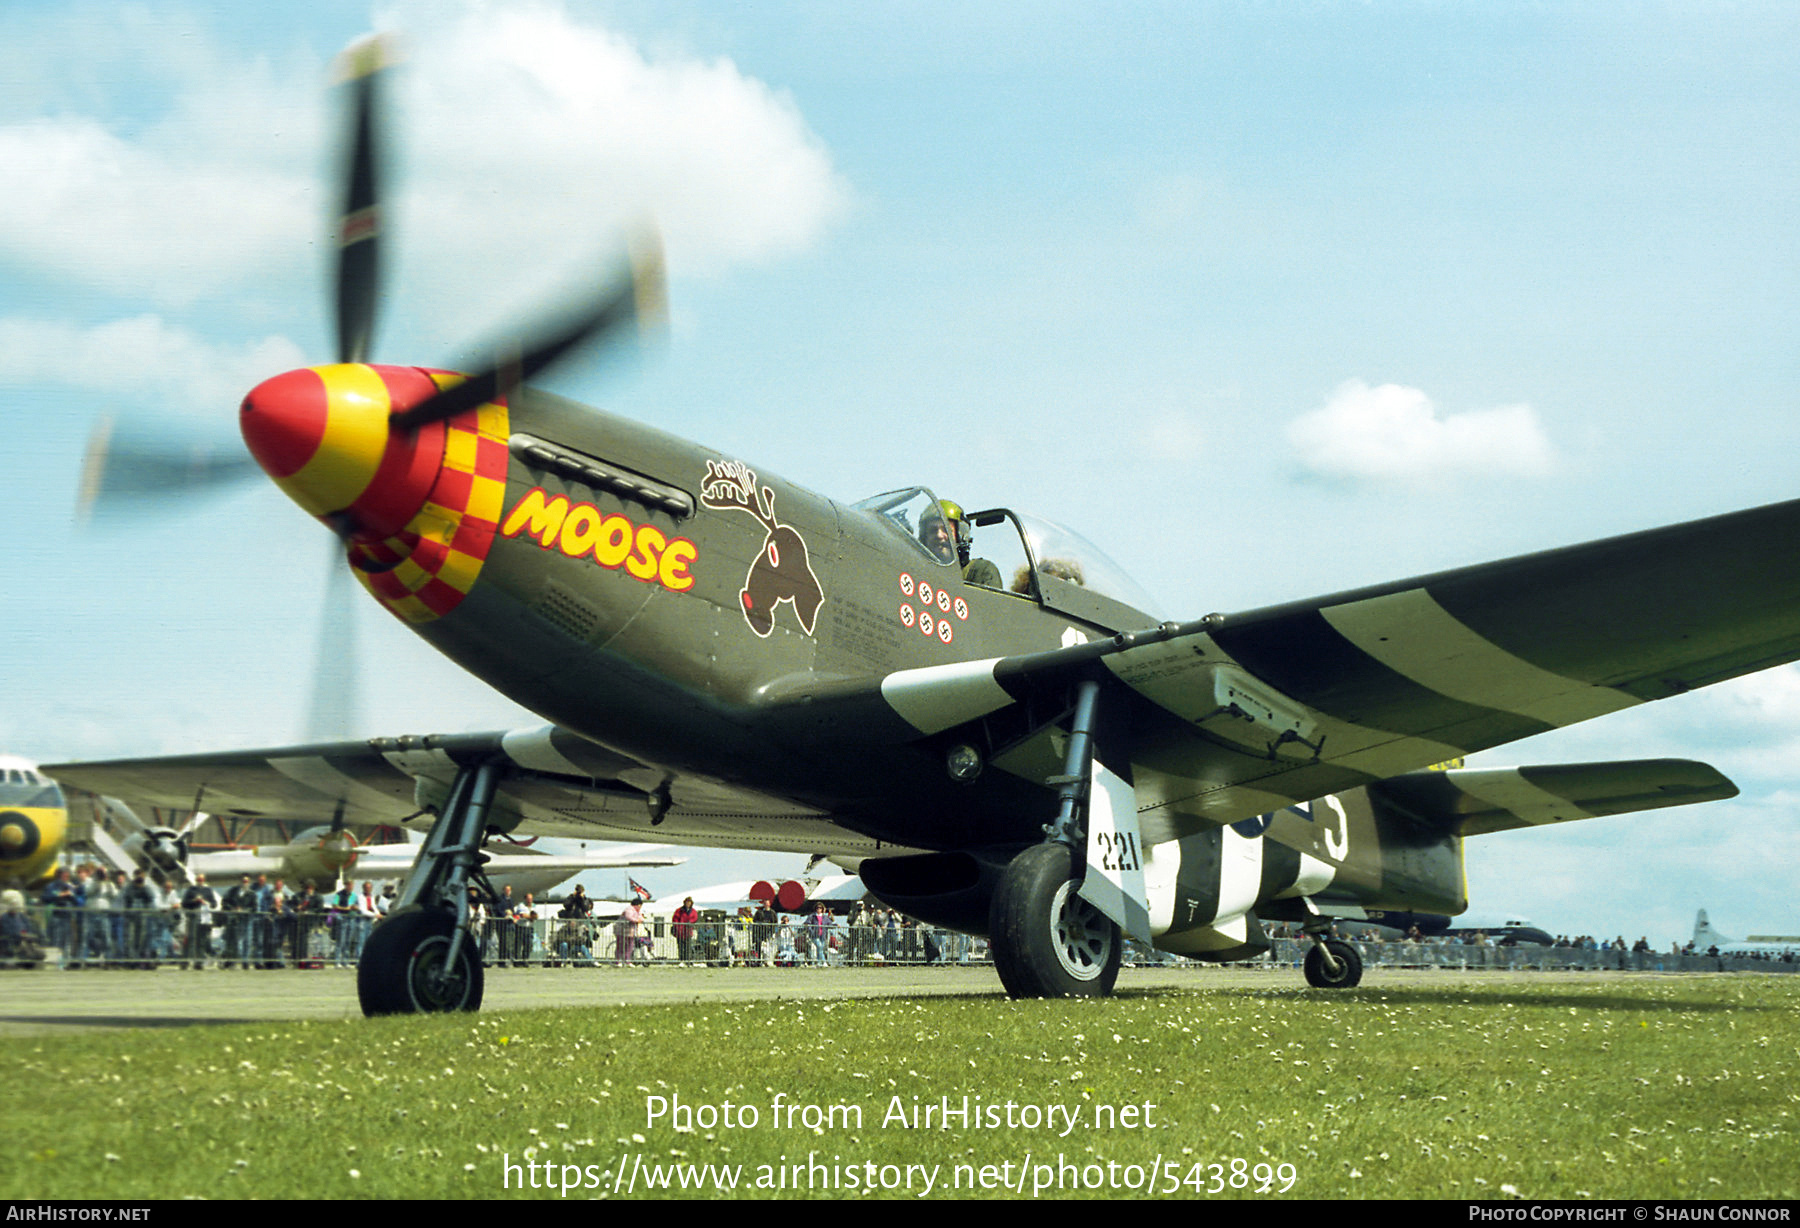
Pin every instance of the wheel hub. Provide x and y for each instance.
(436, 986)
(1084, 936)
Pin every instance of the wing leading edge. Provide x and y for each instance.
(556, 783)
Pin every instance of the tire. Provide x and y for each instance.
(401, 971)
(1049, 942)
(1350, 966)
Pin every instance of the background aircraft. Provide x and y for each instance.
(1498, 929)
(323, 858)
(1511, 232)
(1707, 938)
(34, 820)
(34, 828)
(840, 891)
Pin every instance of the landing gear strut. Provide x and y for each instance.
(422, 958)
(1049, 941)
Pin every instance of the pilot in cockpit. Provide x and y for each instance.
(945, 532)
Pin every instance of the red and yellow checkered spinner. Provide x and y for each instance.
(417, 506)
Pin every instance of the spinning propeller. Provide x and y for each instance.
(350, 445)
(360, 446)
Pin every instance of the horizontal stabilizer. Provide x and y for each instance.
(1474, 801)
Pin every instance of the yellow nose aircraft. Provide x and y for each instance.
(34, 821)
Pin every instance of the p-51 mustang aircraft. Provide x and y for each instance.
(725, 659)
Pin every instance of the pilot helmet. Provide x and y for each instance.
(952, 513)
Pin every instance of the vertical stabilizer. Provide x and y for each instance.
(1705, 935)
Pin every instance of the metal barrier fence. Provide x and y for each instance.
(1289, 952)
(147, 938)
(154, 937)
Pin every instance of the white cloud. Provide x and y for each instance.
(1749, 727)
(532, 141)
(523, 136)
(135, 219)
(580, 120)
(141, 359)
(1394, 433)
(1770, 697)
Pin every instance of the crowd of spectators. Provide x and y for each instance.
(754, 936)
(92, 917)
(98, 918)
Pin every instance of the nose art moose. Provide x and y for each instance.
(781, 571)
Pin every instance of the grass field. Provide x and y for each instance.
(1627, 1087)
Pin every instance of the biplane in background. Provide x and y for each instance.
(725, 659)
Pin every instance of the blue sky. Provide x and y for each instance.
(1269, 300)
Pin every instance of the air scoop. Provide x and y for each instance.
(325, 435)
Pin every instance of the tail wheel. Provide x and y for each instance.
(1049, 942)
(1349, 970)
(406, 967)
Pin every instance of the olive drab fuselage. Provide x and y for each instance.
(696, 613)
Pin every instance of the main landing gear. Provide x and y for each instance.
(413, 964)
(423, 958)
(1049, 942)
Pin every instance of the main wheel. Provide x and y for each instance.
(1349, 970)
(405, 967)
(1049, 942)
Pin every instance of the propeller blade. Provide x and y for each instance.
(116, 472)
(636, 301)
(359, 224)
(332, 715)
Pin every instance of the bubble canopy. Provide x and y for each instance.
(1046, 548)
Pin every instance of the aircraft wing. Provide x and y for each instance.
(1237, 715)
(376, 862)
(556, 784)
(1212, 721)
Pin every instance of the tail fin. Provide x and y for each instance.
(1705, 935)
